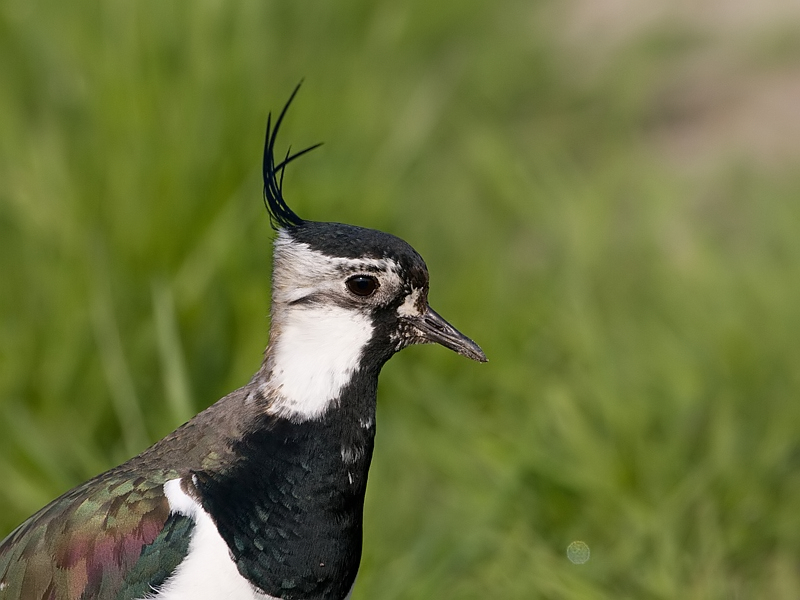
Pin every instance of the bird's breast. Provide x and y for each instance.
(290, 509)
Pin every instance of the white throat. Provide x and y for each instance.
(316, 340)
(313, 355)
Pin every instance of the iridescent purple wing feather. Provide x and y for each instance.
(112, 537)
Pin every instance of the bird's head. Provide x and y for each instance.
(344, 299)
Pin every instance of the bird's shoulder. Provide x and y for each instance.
(115, 536)
(112, 537)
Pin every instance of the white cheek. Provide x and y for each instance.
(300, 271)
(410, 306)
(314, 357)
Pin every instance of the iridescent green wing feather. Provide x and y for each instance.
(110, 538)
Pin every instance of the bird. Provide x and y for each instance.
(261, 495)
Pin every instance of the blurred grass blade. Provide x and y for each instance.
(173, 366)
(118, 376)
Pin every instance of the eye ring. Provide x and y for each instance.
(362, 285)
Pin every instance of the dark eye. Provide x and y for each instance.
(362, 285)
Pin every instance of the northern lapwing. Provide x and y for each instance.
(261, 495)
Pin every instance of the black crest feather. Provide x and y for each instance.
(280, 215)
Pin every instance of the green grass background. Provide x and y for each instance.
(641, 319)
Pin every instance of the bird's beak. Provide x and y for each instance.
(433, 329)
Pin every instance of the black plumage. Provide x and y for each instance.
(281, 216)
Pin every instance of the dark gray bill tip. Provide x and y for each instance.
(471, 350)
(434, 329)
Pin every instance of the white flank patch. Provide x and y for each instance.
(208, 571)
(314, 357)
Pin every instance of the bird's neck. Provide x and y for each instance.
(289, 471)
(314, 352)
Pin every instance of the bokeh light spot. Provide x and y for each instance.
(578, 552)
